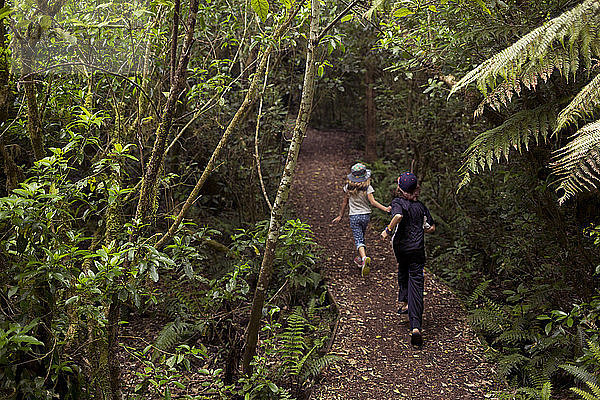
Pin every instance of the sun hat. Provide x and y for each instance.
(359, 173)
(407, 181)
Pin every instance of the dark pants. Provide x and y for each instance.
(410, 284)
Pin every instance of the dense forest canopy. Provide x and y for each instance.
(148, 248)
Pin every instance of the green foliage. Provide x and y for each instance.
(517, 132)
(587, 373)
(567, 43)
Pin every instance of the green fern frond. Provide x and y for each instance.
(511, 363)
(579, 373)
(584, 395)
(583, 105)
(516, 133)
(513, 337)
(292, 340)
(595, 388)
(479, 292)
(546, 391)
(487, 321)
(577, 164)
(317, 364)
(535, 52)
(595, 350)
(176, 333)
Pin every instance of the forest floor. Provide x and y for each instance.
(379, 363)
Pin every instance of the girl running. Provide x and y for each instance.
(410, 220)
(358, 195)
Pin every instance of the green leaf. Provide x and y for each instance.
(402, 12)
(347, 18)
(484, 6)
(320, 71)
(432, 9)
(153, 273)
(260, 7)
(548, 328)
(5, 11)
(27, 339)
(45, 22)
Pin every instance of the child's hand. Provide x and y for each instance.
(384, 234)
(336, 219)
(388, 209)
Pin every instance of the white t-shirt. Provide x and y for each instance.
(358, 203)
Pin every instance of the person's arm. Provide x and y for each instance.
(377, 204)
(389, 229)
(342, 209)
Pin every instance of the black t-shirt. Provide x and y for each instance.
(409, 234)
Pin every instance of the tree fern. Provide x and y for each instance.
(516, 133)
(536, 53)
(582, 105)
(567, 43)
(577, 165)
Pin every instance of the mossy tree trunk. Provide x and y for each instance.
(149, 182)
(266, 269)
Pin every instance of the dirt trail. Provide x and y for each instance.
(372, 338)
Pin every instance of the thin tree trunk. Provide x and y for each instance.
(33, 113)
(249, 100)
(148, 189)
(174, 35)
(370, 133)
(266, 268)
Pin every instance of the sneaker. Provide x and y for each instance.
(416, 339)
(364, 271)
(403, 309)
(358, 261)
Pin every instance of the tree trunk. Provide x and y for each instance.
(370, 133)
(148, 189)
(34, 123)
(266, 268)
(249, 100)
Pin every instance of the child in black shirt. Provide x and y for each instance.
(410, 220)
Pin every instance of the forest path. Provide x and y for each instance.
(379, 362)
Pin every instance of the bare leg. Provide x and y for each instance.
(361, 252)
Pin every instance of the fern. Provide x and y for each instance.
(513, 337)
(577, 165)
(292, 340)
(517, 132)
(546, 391)
(591, 379)
(582, 105)
(317, 364)
(595, 395)
(174, 334)
(567, 43)
(579, 373)
(536, 54)
(510, 364)
(488, 321)
(479, 292)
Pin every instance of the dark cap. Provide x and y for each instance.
(407, 182)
